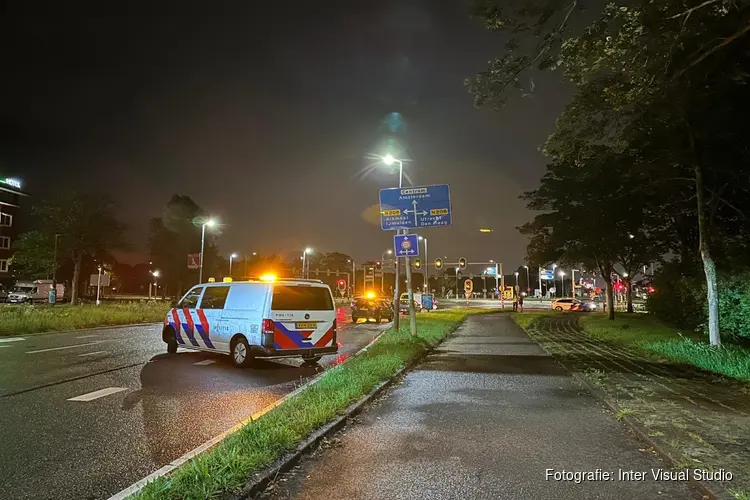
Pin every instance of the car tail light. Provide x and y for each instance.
(267, 326)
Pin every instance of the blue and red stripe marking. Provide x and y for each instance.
(203, 328)
(189, 327)
(175, 322)
(284, 338)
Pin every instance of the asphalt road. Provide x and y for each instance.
(492, 304)
(137, 409)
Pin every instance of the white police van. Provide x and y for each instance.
(251, 319)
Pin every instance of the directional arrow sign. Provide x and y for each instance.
(412, 207)
(406, 245)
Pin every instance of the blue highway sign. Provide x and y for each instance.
(406, 245)
(547, 274)
(417, 206)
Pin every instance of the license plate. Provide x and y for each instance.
(307, 326)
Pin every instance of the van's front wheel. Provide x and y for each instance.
(241, 353)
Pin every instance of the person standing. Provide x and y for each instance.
(520, 302)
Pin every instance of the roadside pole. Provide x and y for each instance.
(410, 292)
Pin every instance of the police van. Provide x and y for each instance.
(254, 319)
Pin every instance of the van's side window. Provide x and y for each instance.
(215, 297)
(190, 300)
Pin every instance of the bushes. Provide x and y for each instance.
(680, 299)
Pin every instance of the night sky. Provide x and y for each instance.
(264, 113)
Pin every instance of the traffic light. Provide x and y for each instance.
(417, 264)
(378, 265)
(462, 263)
(438, 263)
(342, 284)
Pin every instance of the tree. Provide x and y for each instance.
(33, 254)
(670, 82)
(335, 261)
(87, 225)
(176, 234)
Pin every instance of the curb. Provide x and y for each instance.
(632, 423)
(262, 479)
(79, 330)
(178, 462)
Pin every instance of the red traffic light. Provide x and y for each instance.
(342, 282)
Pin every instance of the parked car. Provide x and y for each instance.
(371, 308)
(570, 304)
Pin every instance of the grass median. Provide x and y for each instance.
(229, 465)
(646, 334)
(24, 319)
(653, 339)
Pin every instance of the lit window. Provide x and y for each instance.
(4, 242)
(6, 220)
(3, 265)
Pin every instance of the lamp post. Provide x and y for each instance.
(516, 275)
(354, 278)
(573, 282)
(426, 267)
(209, 223)
(305, 262)
(155, 274)
(390, 160)
(528, 284)
(231, 258)
(382, 268)
(562, 283)
(540, 282)
(554, 279)
(99, 285)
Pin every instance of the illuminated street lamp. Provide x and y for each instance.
(562, 283)
(390, 160)
(528, 286)
(304, 261)
(231, 258)
(516, 275)
(209, 223)
(426, 267)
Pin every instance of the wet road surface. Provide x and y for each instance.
(484, 417)
(85, 414)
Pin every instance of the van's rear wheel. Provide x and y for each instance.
(172, 345)
(241, 353)
(311, 361)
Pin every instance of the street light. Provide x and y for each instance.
(426, 267)
(304, 261)
(390, 160)
(155, 274)
(231, 258)
(516, 274)
(98, 285)
(209, 223)
(354, 277)
(562, 283)
(528, 285)
(382, 273)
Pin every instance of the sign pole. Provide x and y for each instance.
(410, 292)
(396, 295)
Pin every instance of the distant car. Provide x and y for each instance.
(570, 304)
(371, 308)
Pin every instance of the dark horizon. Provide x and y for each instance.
(266, 120)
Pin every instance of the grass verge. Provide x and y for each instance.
(229, 465)
(648, 335)
(22, 319)
(525, 319)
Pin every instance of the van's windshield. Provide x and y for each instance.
(301, 298)
(24, 289)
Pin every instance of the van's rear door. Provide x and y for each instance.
(303, 316)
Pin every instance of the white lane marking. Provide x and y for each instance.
(86, 336)
(12, 339)
(98, 394)
(92, 353)
(1, 346)
(61, 348)
(205, 362)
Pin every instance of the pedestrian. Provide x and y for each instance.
(515, 302)
(520, 302)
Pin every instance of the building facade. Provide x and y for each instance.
(11, 195)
